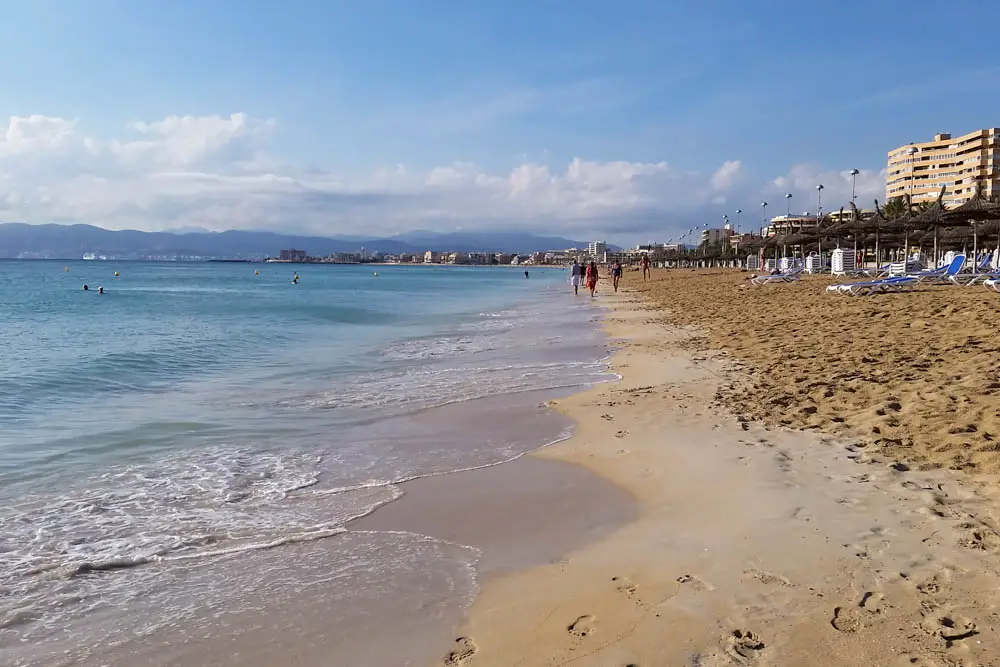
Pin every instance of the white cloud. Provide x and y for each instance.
(802, 179)
(210, 171)
(35, 134)
(188, 140)
(726, 176)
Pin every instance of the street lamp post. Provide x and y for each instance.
(911, 151)
(788, 205)
(854, 210)
(763, 206)
(819, 218)
(726, 245)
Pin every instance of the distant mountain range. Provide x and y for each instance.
(19, 240)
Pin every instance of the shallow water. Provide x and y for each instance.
(184, 451)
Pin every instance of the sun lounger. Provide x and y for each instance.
(789, 276)
(869, 287)
(982, 273)
(943, 273)
(993, 283)
(874, 273)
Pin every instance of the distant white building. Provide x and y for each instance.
(481, 258)
(713, 236)
(597, 248)
(431, 257)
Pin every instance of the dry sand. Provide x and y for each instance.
(761, 546)
(915, 374)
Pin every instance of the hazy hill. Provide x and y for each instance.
(73, 241)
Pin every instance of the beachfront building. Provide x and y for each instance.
(836, 216)
(597, 249)
(292, 255)
(481, 258)
(790, 224)
(344, 258)
(431, 257)
(716, 235)
(737, 240)
(456, 258)
(959, 165)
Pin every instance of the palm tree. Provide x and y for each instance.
(894, 208)
(923, 206)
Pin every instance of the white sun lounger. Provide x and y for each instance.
(789, 276)
(869, 287)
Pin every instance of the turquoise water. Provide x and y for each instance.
(197, 416)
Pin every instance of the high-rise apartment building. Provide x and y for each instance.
(958, 164)
(597, 249)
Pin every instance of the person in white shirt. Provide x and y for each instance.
(575, 276)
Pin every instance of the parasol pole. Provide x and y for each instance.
(975, 248)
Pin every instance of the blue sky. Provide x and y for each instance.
(386, 116)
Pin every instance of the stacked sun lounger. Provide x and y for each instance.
(814, 264)
(842, 262)
(907, 268)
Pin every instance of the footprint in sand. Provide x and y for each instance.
(743, 646)
(695, 582)
(854, 618)
(979, 537)
(910, 660)
(625, 586)
(464, 649)
(621, 434)
(768, 578)
(933, 585)
(583, 626)
(950, 627)
(607, 417)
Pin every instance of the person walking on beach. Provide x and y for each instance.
(616, 275)
(645, 267)
(592, 278)
(575, 275)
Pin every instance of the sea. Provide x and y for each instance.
(180, 456)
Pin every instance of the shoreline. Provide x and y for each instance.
(751, 545)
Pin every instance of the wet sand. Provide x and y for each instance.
(755, 544)
(518, 514)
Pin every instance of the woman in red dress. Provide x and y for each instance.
(592, 278)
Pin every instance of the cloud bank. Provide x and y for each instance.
(213, 172)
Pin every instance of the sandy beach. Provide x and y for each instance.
(809, 477)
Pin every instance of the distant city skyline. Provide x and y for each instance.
(622, 122)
